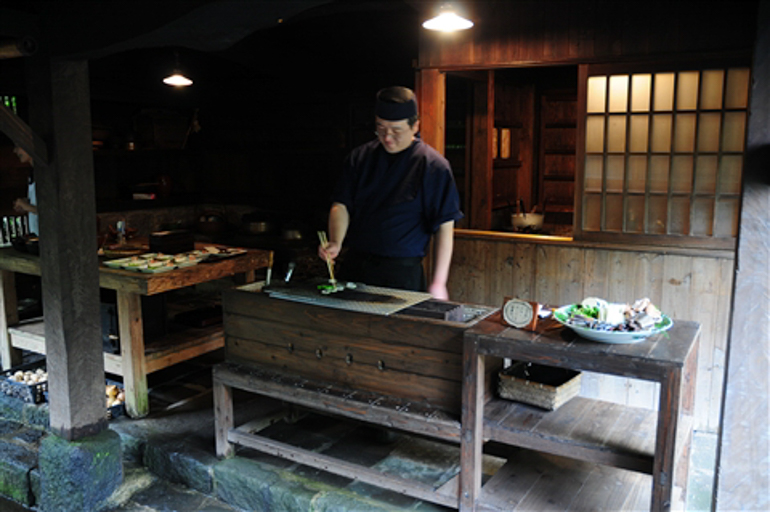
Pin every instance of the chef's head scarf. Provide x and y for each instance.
(396, 103)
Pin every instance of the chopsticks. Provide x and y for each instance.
(325, 242)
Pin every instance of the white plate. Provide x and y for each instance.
(134, 265)
(116, 263)
(619, 337)
(158, 270)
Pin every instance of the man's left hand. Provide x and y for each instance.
(438, 291)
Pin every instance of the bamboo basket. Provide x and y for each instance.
(544, 386)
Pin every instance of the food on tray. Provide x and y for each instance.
(29, 377)
(335, 286)
(598, 314)
(135, 262)
(158, 263)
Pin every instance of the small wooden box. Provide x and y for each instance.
(172, 242)
(544, 386)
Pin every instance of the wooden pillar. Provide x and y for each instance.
(481, 153)
(60, 113)
(432, 102)
(743, 466)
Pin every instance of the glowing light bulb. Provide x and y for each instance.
(177, 79)
(448, 21)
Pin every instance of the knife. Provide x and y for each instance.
(269, 269)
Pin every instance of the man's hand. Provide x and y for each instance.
(438, 291)
(22, 205)
(331, 251)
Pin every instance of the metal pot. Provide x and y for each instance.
(527, 221)
(291, 234)
(211, 223)
(259, 227)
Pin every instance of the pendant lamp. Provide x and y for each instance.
(447, 20)
(177, 78)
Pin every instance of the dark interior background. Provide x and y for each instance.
(277, 109)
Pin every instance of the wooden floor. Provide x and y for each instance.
(532, 481)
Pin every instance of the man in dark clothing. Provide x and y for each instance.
(394, 194)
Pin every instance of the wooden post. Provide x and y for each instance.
(481, 153)
(133, 362)
(744, 441)
(472, 440)
(60, 114)
(224, 420)
(432, 101)
(9, 315)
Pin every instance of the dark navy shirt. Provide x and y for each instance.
(396, 201)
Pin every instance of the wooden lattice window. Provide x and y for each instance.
(662, 154)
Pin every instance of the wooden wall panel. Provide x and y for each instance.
(698, 288)
(553, 31)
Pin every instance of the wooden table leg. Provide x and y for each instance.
(9, 315)
(665, 441)
(224, 420)
(132, 357)
(472, 436)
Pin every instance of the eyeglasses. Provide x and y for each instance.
(382, 131)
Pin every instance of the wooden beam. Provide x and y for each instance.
(23, 136)
(744, 442)
(60, 112)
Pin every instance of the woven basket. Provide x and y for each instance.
(30, 393)
(543, 386)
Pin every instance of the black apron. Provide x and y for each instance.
(400, 273)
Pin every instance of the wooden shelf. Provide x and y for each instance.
(565, 151)
(159, 354)
(359, 405)
(591, 430)
(530, 479)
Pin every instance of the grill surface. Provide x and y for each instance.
(365, 298)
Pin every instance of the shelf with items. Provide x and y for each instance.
(599, 432)
(557, 162)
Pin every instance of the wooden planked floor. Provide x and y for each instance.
(533, 481)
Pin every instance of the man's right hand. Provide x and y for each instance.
(22, 205)
(331, 251)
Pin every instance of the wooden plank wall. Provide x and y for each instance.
(529, 32)
(698, 288)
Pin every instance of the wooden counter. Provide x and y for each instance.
(397, 371)
(134, 361)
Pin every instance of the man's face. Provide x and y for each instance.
(395, 136)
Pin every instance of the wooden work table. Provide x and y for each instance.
(588, 430)
(133, 363)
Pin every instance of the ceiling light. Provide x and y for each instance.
(177, 78)
(447, 21)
